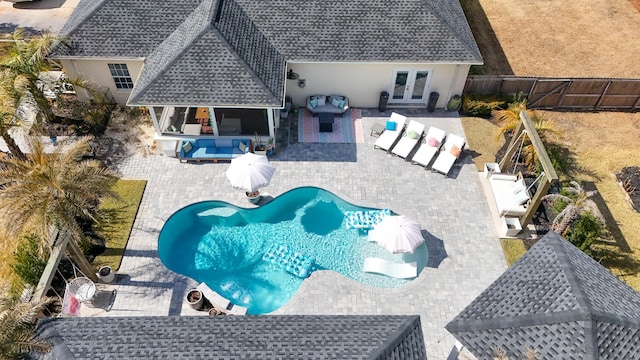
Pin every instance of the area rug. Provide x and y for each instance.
(346, 129)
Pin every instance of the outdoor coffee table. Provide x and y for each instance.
(325, 121)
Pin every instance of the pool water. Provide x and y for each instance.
(223, 245)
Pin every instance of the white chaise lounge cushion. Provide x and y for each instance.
(388, 268)
(389, 137)
(445, 159)
(426, 152)
(406, 143)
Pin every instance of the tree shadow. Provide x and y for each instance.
(495, 60)
(611, 223)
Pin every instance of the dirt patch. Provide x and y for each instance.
(561, 38)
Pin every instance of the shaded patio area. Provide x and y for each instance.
(464, 252)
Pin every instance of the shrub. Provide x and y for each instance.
(483, 104)
(585, 231)
(29, 261)
(559, 205)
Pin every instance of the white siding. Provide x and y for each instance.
(97, 73)
(363, 83)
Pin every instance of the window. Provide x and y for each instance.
(121, 76)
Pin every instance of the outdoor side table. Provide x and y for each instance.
(376, 129)
(325, 121)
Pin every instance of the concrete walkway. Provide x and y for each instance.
(464, 251)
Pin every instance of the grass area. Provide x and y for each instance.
(117, 217)
(513, 250)
(481, 140)
(598, 155)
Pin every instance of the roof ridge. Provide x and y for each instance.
(445, 16)
(174, 46)
(90, 8)
(396, 338)
(251, 45)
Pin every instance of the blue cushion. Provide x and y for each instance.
(313, 103)
(341, 104)
(391, 125)
(206, 143)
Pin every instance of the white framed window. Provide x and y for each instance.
(121, 76)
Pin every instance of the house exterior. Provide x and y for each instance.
(222, 65)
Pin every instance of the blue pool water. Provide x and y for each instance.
(223, 245)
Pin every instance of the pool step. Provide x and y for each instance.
(294, 263)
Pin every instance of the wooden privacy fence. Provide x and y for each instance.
(586, 94)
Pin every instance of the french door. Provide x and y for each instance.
(410, 86)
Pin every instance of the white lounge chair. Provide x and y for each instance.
(426, 151)
(388, 138)
(395, 270)
(449, 154)
(407, 143)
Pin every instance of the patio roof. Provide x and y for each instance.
(558, 301)
(237, 337)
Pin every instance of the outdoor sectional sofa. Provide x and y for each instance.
(333, 104)
(211, 149)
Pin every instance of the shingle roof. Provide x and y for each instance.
(194, 66)
(245, 48)
(557, 300)
(237, 337)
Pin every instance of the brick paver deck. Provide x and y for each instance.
(452, 209)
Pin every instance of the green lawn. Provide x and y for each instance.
(117, 217)
(513, 250)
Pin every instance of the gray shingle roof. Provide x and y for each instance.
(256, 38)
(557, 300)
(236, 337)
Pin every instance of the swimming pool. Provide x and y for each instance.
(223, 245)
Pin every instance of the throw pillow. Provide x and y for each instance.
(335, 102)
(522, 198)
(412, 134)
(342, 103)
(433, 142)
(455, 150)
(313, 103)
(186, 147)
(391, 125)
(242, 147)
(321, 101)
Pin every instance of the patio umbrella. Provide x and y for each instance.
(398, 234)
(250, 172)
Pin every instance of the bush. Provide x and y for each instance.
(559, 205)
(29, 262)
(483, 104)
(585, 231)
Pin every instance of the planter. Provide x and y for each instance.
(253, 197)
(106, 274)
(454, 103)
(195, 299)
(260, 150)
(511, 226)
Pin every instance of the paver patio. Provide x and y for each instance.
(452, 209)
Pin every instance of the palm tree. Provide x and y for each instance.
(20, 67)
(55, 190)
(576, 205)
(508, 121)
(17, 320)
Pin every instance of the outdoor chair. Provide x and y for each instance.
(429, 148)
(449, 154)
(388, 268)
(409, 139)
(390, 135)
